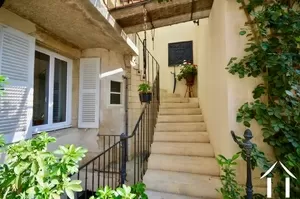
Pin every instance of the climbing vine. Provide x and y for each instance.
(273, 54)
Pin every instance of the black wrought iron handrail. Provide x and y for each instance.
(110, 166)
(247, 145)
(95, 158)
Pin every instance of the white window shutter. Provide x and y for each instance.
(89, 93)
(16, 63)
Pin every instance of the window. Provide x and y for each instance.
(52, 91)
(115, 93)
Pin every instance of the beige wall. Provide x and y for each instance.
(159, 48)
(220, 93)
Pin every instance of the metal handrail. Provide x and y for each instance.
(110, 166)
(95, 158)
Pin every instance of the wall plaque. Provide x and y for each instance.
(180, 51)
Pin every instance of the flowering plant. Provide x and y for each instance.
(187, 70)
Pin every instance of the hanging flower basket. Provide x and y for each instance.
(145, 93)
(145, 97)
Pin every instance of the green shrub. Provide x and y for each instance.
(136, 191)
(31, 172)
(230, 188)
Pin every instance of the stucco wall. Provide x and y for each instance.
(220, 93)
(159, 48)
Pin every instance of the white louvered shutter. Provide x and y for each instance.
(89, 92)
(16, 63)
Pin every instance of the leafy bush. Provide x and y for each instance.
(31, 172)
(144, 88)
(230, 188)
(137, 191)
(273, 54)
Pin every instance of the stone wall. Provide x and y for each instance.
(112, 118)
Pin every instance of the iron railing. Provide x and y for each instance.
(246, 145)
(124, 158)
(111, 166)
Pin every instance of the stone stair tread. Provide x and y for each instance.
(174, 95)
(175, 100)
(179, 105)
(181, 126)
(187, 137)
(180, 118)
(180, 111)
(178, 148)
(162, 195)
(186, 164)
(180, 183)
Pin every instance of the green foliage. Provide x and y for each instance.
(258, 158)
(2, 141)
(3, 81)
(137, 191)
(274, 55)
(187, 69)
(144, 88)
(31, 172)
(230, 188)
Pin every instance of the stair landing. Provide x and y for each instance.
(182, 164)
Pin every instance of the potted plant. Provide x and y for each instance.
(188, 71)
(145, 92)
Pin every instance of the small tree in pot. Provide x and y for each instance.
(188, 71)
(145, 92)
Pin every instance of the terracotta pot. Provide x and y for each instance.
(190, 79)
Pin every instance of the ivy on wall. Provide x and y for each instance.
(273, 53)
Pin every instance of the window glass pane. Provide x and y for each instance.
(115, 86)
(115, 98)
(60, 91)
(41, 89)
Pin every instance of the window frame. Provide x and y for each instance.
(110, 92)
(50, 126)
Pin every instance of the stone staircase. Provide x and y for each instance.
(182, 163)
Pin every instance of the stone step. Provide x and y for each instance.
(162, 195)
(186, 164)
(180, 111)
(192, 137)
(180, 118)
(179, 105)
(166, 95)
(181, 127)
(174, 100)
(177, 148)
(186, 184)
